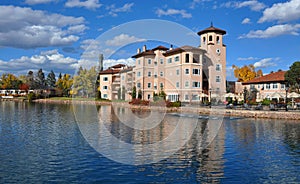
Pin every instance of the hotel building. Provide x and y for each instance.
(186, 73)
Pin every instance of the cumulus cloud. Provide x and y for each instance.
(88, 4)
(266, 62)
(282, 12)
(274, 31)
(247, 58)
(48, 60)
(122, 39)
(29, 28)
(254, 5)
(170, 12)
(34, 2)
(246, 21)
(113, 10)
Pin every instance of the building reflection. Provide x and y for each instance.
(203, 148)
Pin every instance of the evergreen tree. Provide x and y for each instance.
(40, 79)
(133, 94)
(51, 80)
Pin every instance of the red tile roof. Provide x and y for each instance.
(160, 48)
(212, 29)
(109, 71)
(145, 53)
(272, 77)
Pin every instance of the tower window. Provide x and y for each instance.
(187, 58)
(218, 40)
(204, 40)
(210, 38)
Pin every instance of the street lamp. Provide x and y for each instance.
(210, 90)
(286, 94)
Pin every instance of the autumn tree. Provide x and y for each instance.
(9, 81)
(64, 83)
(246, 73)
(292, 76)
(85, 82)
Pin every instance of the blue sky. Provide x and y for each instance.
(60, 35)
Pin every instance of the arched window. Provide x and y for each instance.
(218, 40)
(204, 40)
(210, 38)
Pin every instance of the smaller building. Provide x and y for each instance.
(270, 86)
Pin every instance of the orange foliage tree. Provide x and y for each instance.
(246, 73)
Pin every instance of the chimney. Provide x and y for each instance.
(144, 48)
(138, 50)
(100, 62)
(171, 47)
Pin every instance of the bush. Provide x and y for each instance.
(31, 97)
(266, 102)
(138, 101)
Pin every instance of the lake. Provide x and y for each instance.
(48, 143)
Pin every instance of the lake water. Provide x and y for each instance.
(42, 143)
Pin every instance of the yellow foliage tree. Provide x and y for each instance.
(246, 73)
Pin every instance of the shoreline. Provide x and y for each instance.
(261, 114)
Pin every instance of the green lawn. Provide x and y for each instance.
(77, 99)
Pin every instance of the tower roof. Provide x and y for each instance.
(212, 29)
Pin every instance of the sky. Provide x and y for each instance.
(61, 35)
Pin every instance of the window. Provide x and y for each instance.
(105, 78)
(149, 61)
(218, 40)
(123, 77)
(218, 67)
(282, 86)
(251, 86)
(267, 86)
(204, 60)
(187, 71)
(155, 86)
(138, 84)
(155, 75)
(258, 86)
(155, 63)
(275, 86)
(161, 85)
(149, 96)
(104, 95)
(138, 74)
(187, 84)
(196, 84)
(176, 58)
(210, 38)
(196, 58)
(187, 58)
(161, 61)
(139, 62)
(149, 85)
(161, 74)
(186, 97)
(177, 72)
(196, 71)
(218, 79)
(204, 40)
(105, 87)
(149, 74)
(170, 60)
(177, 84)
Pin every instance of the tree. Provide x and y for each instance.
(292, 76)
(246, 73)
(85, 82)
(65, 84)
(133, 94)
(40, 79)
(51, 80)
(140, 96)
(30, 80)
(9, 81)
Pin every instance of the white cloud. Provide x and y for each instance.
(246, 21)
(88, 4)
(114, 11)
(110, 62)
(33, 2)
(196, 2)
(247, 59)
(50, 60)
(274, 31)
(282, 12)
(122, 39)
(29, 28)
(254, 5)
(266, 62)
(169, 12)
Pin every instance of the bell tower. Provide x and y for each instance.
(211, 41)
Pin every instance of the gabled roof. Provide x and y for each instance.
(272, 77)
(212, 29)
(118, 66)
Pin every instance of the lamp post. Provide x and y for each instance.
(286, 94)
(210, 97)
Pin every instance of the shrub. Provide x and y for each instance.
(266, 102)
(31, 97)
